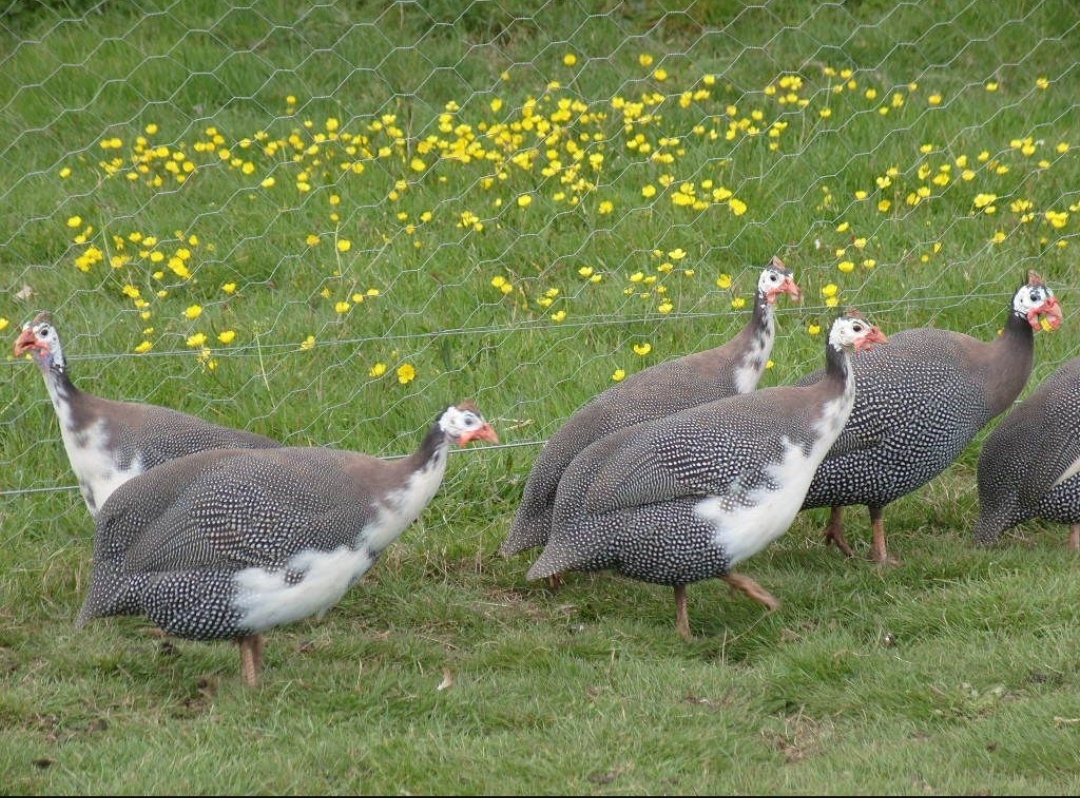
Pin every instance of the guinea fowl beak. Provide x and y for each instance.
(789, 287)
(485, 433)
(1048, 313)
(25, 342)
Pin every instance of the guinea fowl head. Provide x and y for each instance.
(463, 424)
(39, 338)
(853, 331)
(1036, 302)
(778, 279)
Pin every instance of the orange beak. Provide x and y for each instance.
(25, 342)
(870, 340)
(485, 433)
(1051, 310)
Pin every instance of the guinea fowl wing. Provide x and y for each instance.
(686, 455)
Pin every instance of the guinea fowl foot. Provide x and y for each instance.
(752, 589)
(555, 581)
(834, 532)
(251, 658)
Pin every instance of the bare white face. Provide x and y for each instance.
(40, 339)
(854, 332)
(1035, 300)
(776, 280)
(464, 423)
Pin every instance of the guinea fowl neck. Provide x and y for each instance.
(1010, 359)
(433, 442)
(837, 363)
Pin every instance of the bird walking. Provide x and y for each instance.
(227, 544)
(663, 389)
(1029, 466)
(107, 441)
(918, 403)
(689, 496)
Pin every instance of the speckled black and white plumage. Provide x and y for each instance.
(1029, 465)
(663, 389)
(108, 442)
(689, 496)
(225, 544)
(919, 402)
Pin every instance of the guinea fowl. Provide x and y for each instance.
(919, 403)
(1029, 466)
(663, 389)
(108, 442)
(688, 497)
(227, 544)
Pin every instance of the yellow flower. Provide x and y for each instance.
(196, 340)
(74, 221)
(677, 254)
(3, 323)
(524, 201)
(65, 173)
(829, 290)
(814, 329)
(619, 375)
(642, 349)
(193, 312)
(607, 206)
(723, 281)
(935, 99)
(738, 303)
(405, 373)
(738, 207)
(229, 288)
(268, 182)
(377, 370)
(308, 343)
(145, 346)
(342, 307)
(645, 59)
(227, 336)
(665, 306)
(569, 59)
(845, 266)
(1042, 83)
(344, 245)
(558, 316)
(312, 240)
(586, 272)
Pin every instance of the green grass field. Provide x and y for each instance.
(326, 224)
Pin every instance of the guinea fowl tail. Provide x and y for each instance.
(529, 530)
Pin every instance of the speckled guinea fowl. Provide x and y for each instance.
(1029, 466)
(689, 496)
(108, 442)
(226, 544)
(919, 402)
(663, 389)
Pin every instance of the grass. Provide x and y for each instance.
(443, 670)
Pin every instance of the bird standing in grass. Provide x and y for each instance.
(666, 388)
(1029, 466)
(918, 403)
(107, 441)
(226, 544)
(691, 495)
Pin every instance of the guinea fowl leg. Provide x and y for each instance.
(682, 617)
(251, 658)
(834, 532)
(752, 589)
(877, 526)
(555, 581)
(1074, 537)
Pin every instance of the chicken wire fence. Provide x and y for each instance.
(324, 221)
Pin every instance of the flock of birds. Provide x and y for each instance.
(675, 475)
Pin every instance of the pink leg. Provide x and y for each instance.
(682, 617)
(877, 526)
(752, 589)
(1074, 537)
(251, 658)
(834, 532)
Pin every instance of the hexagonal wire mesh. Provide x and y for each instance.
(324, 221)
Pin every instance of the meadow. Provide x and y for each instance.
(324, 222)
